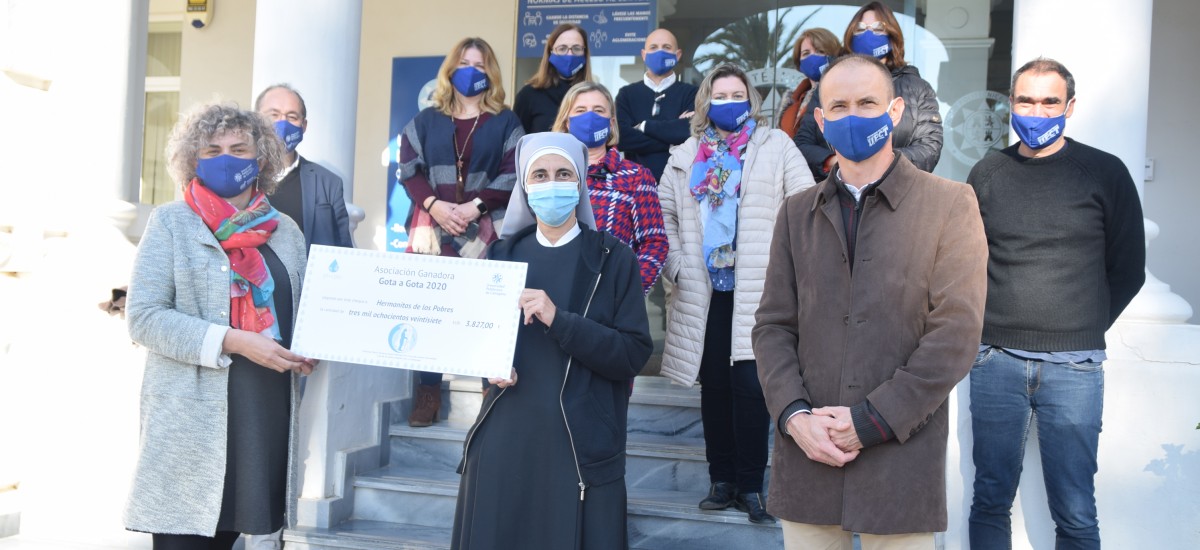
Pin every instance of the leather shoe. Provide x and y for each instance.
(720, 496)
(428, 403)
(754, 505)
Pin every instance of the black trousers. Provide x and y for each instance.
(223, 541)
(736, 422)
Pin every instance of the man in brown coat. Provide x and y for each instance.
(871, 313)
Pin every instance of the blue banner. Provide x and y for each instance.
(614, 27)
(413, 82)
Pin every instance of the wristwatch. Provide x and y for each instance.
(482, 207)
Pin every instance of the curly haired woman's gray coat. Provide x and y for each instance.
(178, 300)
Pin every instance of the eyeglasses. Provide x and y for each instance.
(563, 49)
(876, 27)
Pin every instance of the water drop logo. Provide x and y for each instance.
(333, 266)
(402, 338)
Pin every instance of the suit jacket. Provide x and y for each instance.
(325, 219)
(901, 332)
(178, 298)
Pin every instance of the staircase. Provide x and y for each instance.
(409, 504)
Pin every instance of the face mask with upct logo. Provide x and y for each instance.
(869, 43)
(661, 62)
(590, 128)
(567, 65)
(814, 66)
(859, 138)
(728, 114)
(1039, 131)
(469, 81)
(226, 175)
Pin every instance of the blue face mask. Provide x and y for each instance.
(728, 114)
(814, 66)
(661, 62)
(859, 138)
(227, 175)
(469, 81)
(291, 134)
(553, 202)
(869, 43)
(1039, 131)
(567, 65)
(591, 128)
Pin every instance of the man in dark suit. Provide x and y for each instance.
(308, 192)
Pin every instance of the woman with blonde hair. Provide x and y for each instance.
(565, 63)
(457, 165)
(720, 193)
(213, 294)
(814, 49)
(623, 193)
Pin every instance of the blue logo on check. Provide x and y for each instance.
(402, 338)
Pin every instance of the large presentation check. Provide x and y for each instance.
(410, 311)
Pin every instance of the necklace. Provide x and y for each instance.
(458, 191)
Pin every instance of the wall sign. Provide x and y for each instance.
(615, 27)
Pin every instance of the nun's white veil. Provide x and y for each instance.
(519, 215)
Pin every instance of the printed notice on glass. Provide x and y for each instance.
(410, 311)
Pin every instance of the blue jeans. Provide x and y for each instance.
(1068, 399)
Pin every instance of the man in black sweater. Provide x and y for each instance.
(1066, 255)
(655, 114)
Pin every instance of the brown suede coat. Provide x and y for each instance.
(901, 333)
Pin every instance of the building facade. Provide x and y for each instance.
(118, 97)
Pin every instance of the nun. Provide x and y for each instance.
(544, 464)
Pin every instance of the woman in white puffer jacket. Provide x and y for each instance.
(720, 193)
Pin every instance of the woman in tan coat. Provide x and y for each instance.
(720, 192)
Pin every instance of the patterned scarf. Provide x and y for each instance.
(240, 233)
(716, 181)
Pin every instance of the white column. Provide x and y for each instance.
(1113, 93)
(314, 46)
(77, 116)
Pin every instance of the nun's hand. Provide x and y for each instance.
(447, 217)
(536, 304)
(504, 382)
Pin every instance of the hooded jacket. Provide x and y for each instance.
(605, 331)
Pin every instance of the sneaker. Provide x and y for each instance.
(428, 403)
(720, 496)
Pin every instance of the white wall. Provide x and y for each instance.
(1172, 196)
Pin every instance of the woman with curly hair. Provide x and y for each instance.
(213, 294)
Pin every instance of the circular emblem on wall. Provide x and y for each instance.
(425, 96)
(976, 124)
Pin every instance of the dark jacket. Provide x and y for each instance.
(606, 333)
(899, 332)
(918, 136)
(537, 107)
(325, 219)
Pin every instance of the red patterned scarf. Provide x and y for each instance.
(240, 233)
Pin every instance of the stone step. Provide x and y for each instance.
(368, 535)
(656, 407)
(671, 463)
(657, 518)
